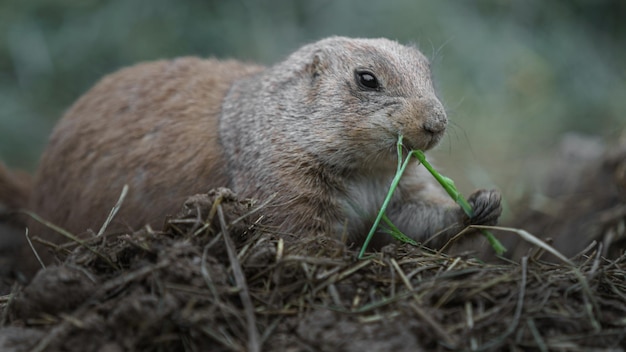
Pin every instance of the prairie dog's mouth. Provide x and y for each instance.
(433, 140)
(425, 141)
(407, 144)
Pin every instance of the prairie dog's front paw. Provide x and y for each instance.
(486, 207)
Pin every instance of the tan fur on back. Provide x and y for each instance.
(152, 126)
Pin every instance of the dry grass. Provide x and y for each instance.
(217, 279)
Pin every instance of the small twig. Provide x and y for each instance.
(114, 211)
(400, 272)
(587, 249)
(596, 262)
(536, 335)
(528, 237)
(451, 240)
(224, 340)
(255, 210)
(516, 316)
(206, 275)
(240, 279)
(438, 329)
(70, 236)
(469, 314)
(7, 306)
(30, 243)
(342, 275)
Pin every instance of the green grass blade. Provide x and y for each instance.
(392, 188)
(396, 233)
(450, 188)
(445, 182)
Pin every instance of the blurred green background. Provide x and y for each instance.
(514, 75)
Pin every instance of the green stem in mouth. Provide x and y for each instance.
(445, 182)
(450, 188)
(394, 184)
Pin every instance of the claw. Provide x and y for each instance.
(486, 207)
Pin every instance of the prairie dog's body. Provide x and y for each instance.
(318, 130)
(153, 126)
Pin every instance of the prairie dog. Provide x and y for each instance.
(317, 130)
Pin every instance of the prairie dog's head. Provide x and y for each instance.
(362, 93)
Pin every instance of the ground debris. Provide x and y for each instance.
(178, 290)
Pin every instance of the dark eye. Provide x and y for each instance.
(367, 80)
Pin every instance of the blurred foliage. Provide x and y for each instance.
(514, 75)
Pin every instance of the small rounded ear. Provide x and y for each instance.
(317, 65)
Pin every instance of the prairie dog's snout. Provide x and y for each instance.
(436, 119)
(427, 124)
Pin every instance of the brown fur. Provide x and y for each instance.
(152, 126)
(303, 130)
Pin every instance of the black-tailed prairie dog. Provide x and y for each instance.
(316, 131)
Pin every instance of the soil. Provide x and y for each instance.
(216, 279)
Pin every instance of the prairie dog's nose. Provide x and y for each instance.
(436, 120)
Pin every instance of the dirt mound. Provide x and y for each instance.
(216, 279)
(580, 199)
